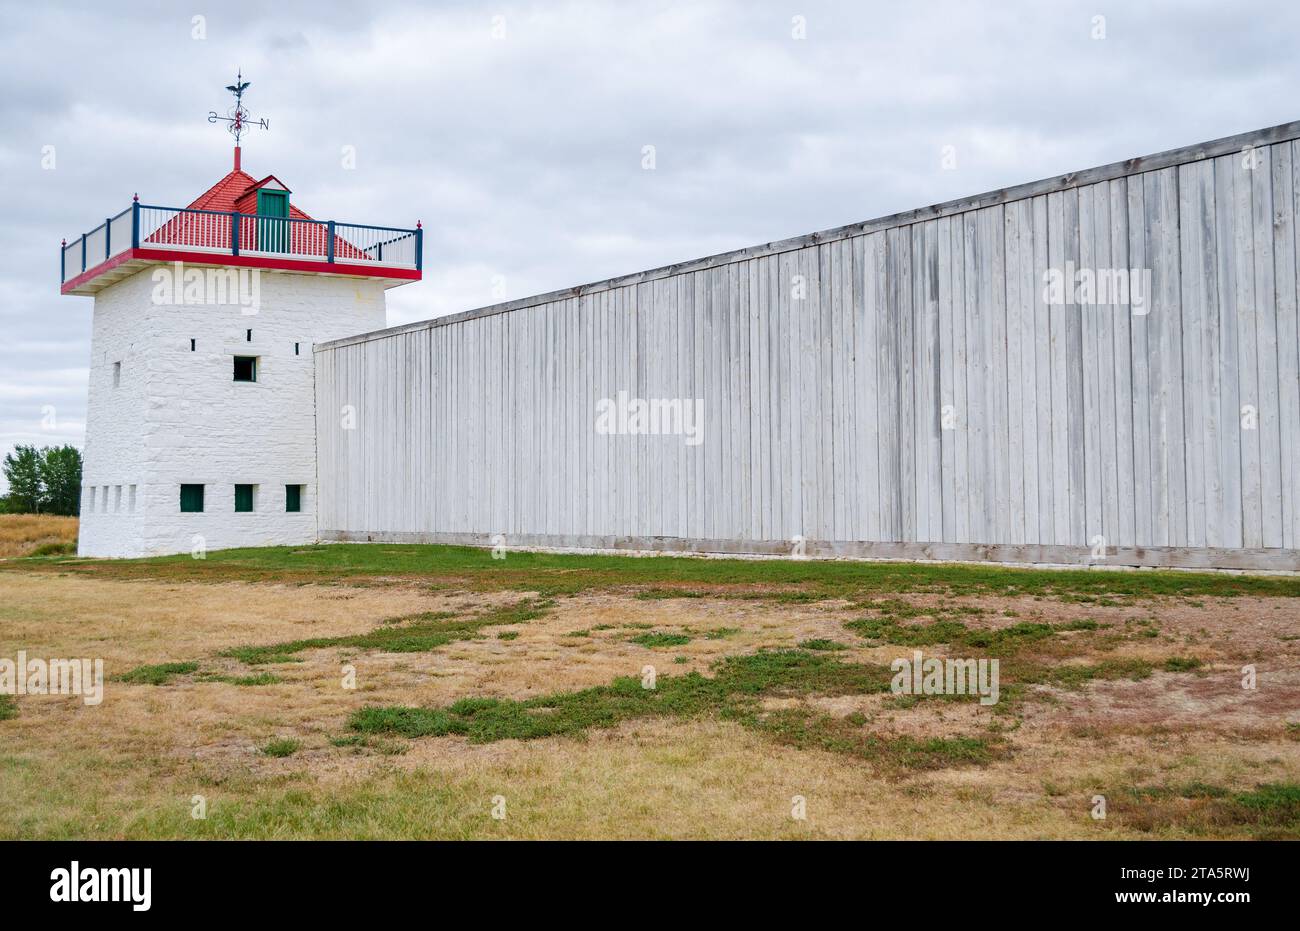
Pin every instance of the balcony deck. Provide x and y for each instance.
(145, 235)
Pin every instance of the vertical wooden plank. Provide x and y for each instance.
(820, 261)
(872, 275)
(1266, 348)
(1247, 319)
(1045, 408)
(1073, 360)
(828, 411)
(1064, 446)
(851, 466)
(978, 451)
(1170, 291)
(808, 312)
(901, 279)
(1015, 371)
(931, 411)
(1122, 354)
(918, 287)
(996, 382)
(945, 402)
(1195, 260)
(1229, 518)
(964, 530)
(888, 382)
(738, 424)
(782, 457)
(760, 387)
(1286, 209)
(1027, 326)
(1107, 371)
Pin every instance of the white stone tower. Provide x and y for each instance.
(201, 422)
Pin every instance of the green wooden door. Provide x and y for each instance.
(272, 223)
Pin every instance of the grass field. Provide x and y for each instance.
(420, 691)
(37, 534)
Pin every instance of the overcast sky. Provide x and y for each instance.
(522, 153)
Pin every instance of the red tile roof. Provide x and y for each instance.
(227, 192)
(229, 195)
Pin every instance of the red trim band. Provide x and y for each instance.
(162, 256)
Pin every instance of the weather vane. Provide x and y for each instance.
(237, 118)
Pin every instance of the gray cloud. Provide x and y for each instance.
(522, 155)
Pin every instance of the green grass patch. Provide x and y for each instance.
(1073, 676)
(508, 635)
(1269, 811)
(66, 548)
(721, 633)
(812, 731)
(159, 674)
(282, 747)
(660, 639)
(1191, 790)
(736, 681)
(260, 678)
(735, 692)
(664, 576)
(8, 707)
(1181, 664)
(946, 629)
(360, 742)
(415, 633)
(1015, 647)
(1276, 801)
(820, 644)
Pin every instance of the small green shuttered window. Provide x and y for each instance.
(243, 497)
(293, 498)
(191, 499)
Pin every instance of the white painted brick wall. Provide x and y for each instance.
(179, 417)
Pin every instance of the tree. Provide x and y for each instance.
(60, 472)
(22, 469)
(43, 480)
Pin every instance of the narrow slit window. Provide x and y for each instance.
(293, 498)
(193, 344)
(248, 336)
(191, 499)
(244, 498)
(130, 499)
(117, 498)
(295, 349)
(245, 368)
(117, 374)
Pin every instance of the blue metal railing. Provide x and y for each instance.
(143, 226)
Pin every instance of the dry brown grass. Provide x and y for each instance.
(130, 767)
(21, 534)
